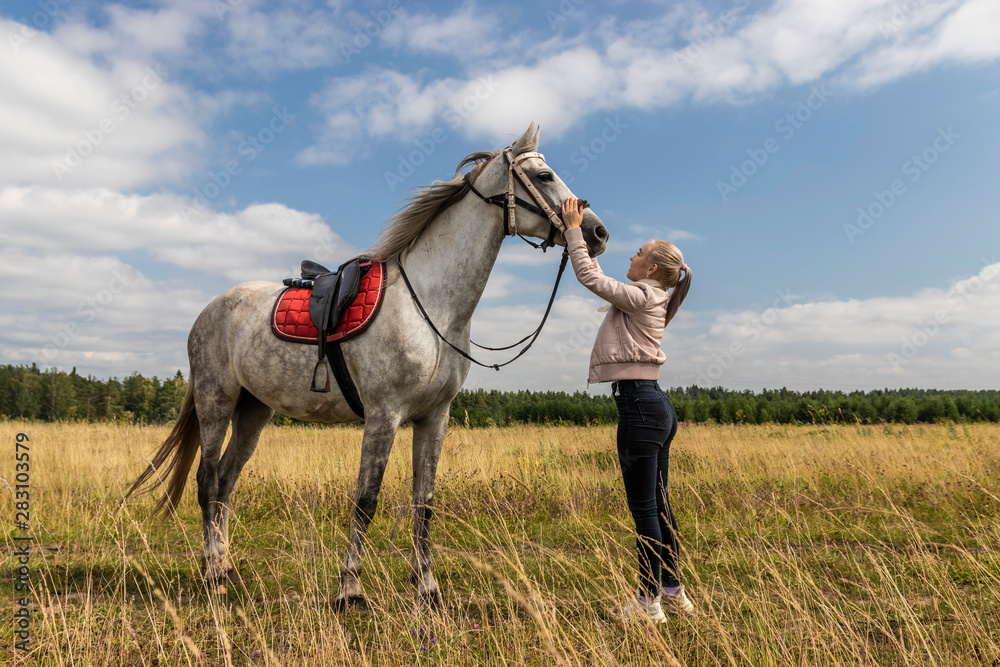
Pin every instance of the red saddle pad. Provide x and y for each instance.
(290, 319)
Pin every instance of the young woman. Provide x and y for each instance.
(627, 354)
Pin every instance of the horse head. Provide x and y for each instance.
(520, 169)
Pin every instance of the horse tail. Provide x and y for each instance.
(174, 457)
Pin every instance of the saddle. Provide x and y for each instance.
(332, 291)
(326, 307)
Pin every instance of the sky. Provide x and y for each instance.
(827, 168)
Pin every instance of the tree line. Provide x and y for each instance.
(27, 392)
(726, 406)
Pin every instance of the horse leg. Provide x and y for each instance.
(428, 437)
(249, 419)
(380, 431)
(215, 409)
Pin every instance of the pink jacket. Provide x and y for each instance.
(628, 343)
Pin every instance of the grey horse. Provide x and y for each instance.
(448, 240)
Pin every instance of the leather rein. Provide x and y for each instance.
(509, 201)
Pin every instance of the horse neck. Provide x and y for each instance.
(450, 263)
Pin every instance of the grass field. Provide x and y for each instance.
(808, 545)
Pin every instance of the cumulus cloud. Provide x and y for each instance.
(381, 104)
(470, 31)
(522, 255)
(105, 314)
(270, 40)
(98, 313)
(917, 36)
(731, 55)
(665, 232)
(376, 104)
(117, 103)
(946, 337)
(260, 241)
(67, 121)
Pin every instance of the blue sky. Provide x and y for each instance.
(827, 168)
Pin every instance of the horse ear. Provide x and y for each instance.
(525, 140)
(535, 139)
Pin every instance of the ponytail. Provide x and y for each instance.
(671, 271)
(677, 296)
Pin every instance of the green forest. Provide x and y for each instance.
(27, 392)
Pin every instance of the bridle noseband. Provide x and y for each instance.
(509, 201)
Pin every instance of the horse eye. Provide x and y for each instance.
(545, 176)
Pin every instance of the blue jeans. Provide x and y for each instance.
(647, 424)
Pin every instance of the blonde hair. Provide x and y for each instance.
(669, 262)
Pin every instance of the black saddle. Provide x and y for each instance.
(332, 293)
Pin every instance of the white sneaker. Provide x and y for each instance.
(640, 608)
(679, 603)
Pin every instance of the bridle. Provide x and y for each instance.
(509, 201)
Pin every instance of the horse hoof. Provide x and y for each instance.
(430, 599)
(219, 584)
(343, 604)
(217, 587)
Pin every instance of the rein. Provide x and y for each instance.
(533, 335)
(508, 202)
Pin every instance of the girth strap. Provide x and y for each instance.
(343, 375)
(324, 312)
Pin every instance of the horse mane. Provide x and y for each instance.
(430, 200)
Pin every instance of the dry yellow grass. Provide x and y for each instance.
(803, 545)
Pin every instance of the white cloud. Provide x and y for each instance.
(382, 103)
(469, 31)
(259, 242)
(935, 338)
(499, 285)
(666, 232)
(66, 121)
(733, 56)
(932, 34)
(116, 106)
(134, 34)
(98, 314)
(523, 255)
(79, 303)
(376, 104)
(285, 38)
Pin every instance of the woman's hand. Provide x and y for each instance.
(572, 212)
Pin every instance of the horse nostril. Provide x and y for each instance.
(601, 232)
